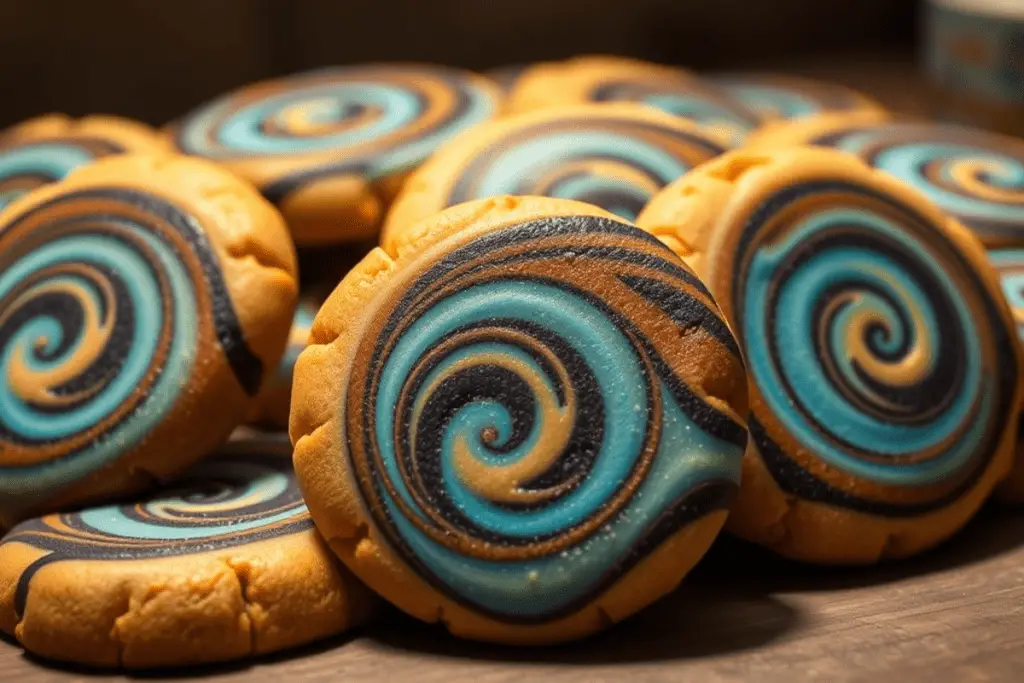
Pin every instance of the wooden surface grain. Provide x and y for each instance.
(955, 614)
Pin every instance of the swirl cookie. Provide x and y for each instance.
(275, 397)
(45, 149)
(142, 301)
(224, 564)
(523, 420)
(615, 156)
(332, 147)
(612, 79)
(777, 96)
(884, 370)
(975, 175)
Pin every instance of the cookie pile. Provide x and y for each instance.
(615, 308)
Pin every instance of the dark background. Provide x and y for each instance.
(155, 60)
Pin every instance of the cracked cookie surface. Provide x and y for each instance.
(522, 420)
(883, 364)
(223, 564)
(143, 299)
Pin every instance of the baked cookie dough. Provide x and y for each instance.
(523, 420)
(616, 156)
(332, 147)
(614, 79)
(142, 301)
(276, 395)
(224, 564)
(45, 149)
(975, 175)
(883, 361)
(779, 96)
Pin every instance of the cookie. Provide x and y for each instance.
(45, 149)
(275, 397)
(884, 370)
(616, 156)
(142, 301)
(332, 147)
(778, 96)
(522, 420)
(613, 79)
(222, 565)
(975, 175)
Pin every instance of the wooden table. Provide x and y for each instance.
(953, 615)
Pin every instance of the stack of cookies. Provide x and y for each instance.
(614, 308)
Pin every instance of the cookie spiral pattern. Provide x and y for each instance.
(892, 367)
(785, 98)
(518, 434)
(374, 121)
(686, 98)
(614, 163)
(223, 502)
(109, 298)
(974, 175)
(26, 166)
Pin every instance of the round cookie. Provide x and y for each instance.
(616, 156)
(778, 96)
(274, 400)
(45, 149)
(142, 301)
(613, 79)
(884, 370)
(523, 420)
(332, 147)
(974, 175)
(224, 564)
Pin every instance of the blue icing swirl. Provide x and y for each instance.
(98, 332)
(522, 441)
(873, 345)
(26, 166)
(611, 162)
(974, 175)
(375, 121)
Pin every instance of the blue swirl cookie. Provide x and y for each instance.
(975, 175)
(331, 148)
(45, 149)
(615, 156)
(883, 361)
(222, 564)
(778, 96)
(523, 420)
(142, 302)
(613, 79)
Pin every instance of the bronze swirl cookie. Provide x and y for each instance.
(523, 420)
(612, 79)
(223, 564)
(45, 149)
(274, 400)
(142, 301)
(331, 147)
(883, 362)
(779, 96)
(615, 156)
